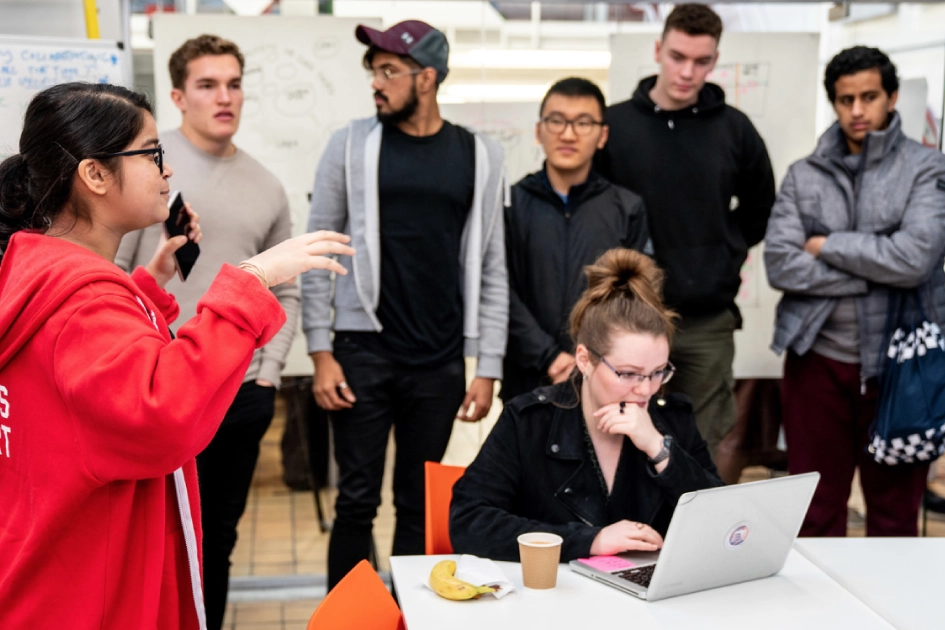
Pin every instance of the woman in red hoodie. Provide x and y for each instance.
(101, 412)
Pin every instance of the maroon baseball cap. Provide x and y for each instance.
(413, 38)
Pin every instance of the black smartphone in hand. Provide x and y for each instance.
(176, 225)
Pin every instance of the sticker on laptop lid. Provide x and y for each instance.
(737, 535)
(607, 564)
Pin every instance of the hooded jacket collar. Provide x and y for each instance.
(711, 99)
(38, 273)
(537, 184)
(877, 145)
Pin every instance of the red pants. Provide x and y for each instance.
(826, 425)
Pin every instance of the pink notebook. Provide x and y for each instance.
(608, 564)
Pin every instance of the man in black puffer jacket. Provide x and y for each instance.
(562, 218)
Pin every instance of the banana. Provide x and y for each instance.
(444, 583)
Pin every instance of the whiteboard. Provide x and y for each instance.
(30, 64)
(773, 78)
(512, 125)
(912, 106)
(302, 81)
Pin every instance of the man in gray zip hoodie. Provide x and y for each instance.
(423, 202)
(864, 214)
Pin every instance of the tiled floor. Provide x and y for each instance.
(279, 534)
(292, 615)
(280, 542)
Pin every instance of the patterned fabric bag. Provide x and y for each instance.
(910, 417)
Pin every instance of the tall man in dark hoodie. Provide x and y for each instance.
(422, 200)
(562, 218)
(860, 217)
(705, 177)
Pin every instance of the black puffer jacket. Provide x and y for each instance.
(548, 243)
(534, 473)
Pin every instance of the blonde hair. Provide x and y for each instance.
(624, 293)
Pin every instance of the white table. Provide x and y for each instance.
(901, 579)
(801, 596)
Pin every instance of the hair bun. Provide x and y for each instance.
(14, 185)
(623, 269)
(16, 165)
(16, 202)
(624, 289)
(622, 275)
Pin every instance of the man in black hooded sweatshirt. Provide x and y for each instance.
(562, 218)
(705, 177)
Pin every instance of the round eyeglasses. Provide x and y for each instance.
(582, 126)
(659, 377)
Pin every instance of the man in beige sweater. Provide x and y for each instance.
(243, 211)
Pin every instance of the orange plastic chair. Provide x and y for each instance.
(438, 486)
(360, 601)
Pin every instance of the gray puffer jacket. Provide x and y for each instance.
(885, 228)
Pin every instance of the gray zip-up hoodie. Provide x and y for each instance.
(345, 199)
(885, 229)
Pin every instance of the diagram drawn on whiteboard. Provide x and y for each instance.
(282, 92)
(512, 125)
(745, 85)
(326, 47)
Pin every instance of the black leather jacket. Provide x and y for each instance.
(535, 473)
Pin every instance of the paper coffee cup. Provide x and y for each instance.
(539, 553)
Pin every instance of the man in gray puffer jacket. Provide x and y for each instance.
(865, 213)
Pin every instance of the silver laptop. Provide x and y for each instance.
(717, 537)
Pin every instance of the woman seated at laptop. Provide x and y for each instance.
(600, 460)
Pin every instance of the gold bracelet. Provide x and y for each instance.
(256, 270)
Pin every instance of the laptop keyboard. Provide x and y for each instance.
(641, 575)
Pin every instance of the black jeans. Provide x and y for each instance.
(420, 404)
(225, 471)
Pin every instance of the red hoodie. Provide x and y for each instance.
(98, 409)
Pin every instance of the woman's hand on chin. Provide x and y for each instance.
(633, 420)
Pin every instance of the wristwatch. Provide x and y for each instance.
(664, 452)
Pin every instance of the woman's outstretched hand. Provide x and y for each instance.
(283, 262)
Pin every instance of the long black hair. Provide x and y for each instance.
(63, 125)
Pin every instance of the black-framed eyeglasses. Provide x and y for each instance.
(157, 154)
(659, 377)
(383, 75)
(581, 126)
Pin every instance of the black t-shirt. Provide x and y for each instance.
(426, 188)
